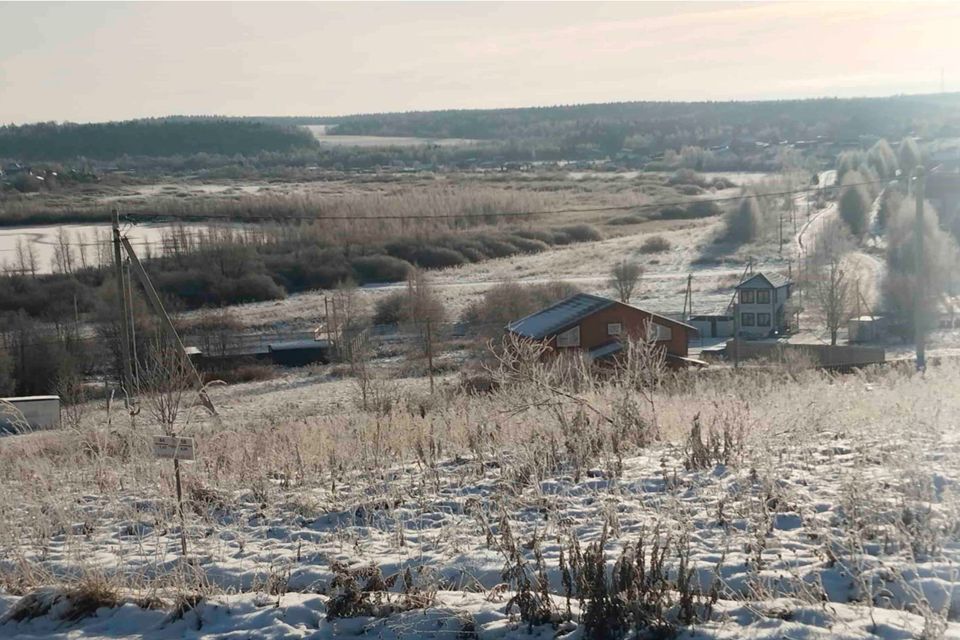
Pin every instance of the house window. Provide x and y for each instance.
(569, 338)
(746, 296)
(763, 296)
(657, 332)
(614, 329)
(748, 320)
(763, 319)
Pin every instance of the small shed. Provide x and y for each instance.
(866, 328)
(299, 353)
(713, 325)
(27, 413)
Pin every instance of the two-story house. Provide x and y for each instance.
(761, 306)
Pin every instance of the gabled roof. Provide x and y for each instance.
(569, 312)
(774, 280)
(559, 316)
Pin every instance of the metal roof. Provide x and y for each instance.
(559, 316)
(775, 280)
(298, 344)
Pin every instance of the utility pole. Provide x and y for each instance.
(688, 299)
(781, 232)
(919, 290)
(153, 299)
(430, 354)
(126, 373)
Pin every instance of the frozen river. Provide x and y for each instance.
(89, 243)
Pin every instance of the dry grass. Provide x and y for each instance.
(879, 443)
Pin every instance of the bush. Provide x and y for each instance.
(745, 223)
(547, 237)
(632, 218)
(470, 248)
(527, 245)
(404, 249)
(431, 257)
(390, 309)
(722, 183)
(673, 212)
(687, 177)
(582, 233)
(688, 190)
(655, 244)
(890, 204)
(251, 288)
(510, 301)
(498, 248)
(696, 209)
(703, 209)
(380, 268)
(854, 205)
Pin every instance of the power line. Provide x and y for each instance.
(503, 214)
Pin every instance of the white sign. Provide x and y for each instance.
(173, 448)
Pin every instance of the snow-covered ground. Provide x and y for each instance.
(818, 507)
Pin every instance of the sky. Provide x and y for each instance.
(89, 62)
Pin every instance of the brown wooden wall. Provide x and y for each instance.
(593, 329)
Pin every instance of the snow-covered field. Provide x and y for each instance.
(773, 504)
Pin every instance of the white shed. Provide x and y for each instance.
(29, 413)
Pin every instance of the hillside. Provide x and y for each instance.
(163, 137)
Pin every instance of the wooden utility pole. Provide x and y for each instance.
(126, 373)
(154, 299)
(326, 320)
(430, 354)
(919, 290)
(688, 299)
(781, 233)
(183, 518)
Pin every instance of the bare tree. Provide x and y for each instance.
(166, 379)
(63, 252)
(914, 284)
(833, 295)
(82, 249)
(26, 258)
(426, 313)
(624, 278)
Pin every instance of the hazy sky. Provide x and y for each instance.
(99, 61)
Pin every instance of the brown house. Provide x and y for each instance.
(598, 326)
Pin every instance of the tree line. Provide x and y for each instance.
(658, 126)
(161, 137)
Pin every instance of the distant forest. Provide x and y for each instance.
(161, 137)
(744, 135)
(769, 121)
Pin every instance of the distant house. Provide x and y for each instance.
(761, 306)
(598, 326)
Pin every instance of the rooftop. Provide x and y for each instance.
(559, 316)
(774, 280)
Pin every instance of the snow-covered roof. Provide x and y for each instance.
(559, 316)
(764, 280)
(572, 310)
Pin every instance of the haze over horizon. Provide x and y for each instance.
(90, 62)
